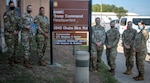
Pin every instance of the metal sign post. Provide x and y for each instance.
(89, 24)
(51, 30)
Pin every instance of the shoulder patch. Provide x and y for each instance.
(4, 16)
(46, 17)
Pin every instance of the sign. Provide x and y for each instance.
(70, 28)
(69, 38)
(70, 22)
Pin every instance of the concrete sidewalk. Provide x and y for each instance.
(120, 68)
(2, 41)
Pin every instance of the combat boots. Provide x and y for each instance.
(112, 71)
(128, 72)
(27, 64)
(42, 63)
(139, 77)
(17, 60)
(11, 61)
(92, 69)
(125, 72)
(98, 69)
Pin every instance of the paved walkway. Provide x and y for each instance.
(120, 68)
(3, 45)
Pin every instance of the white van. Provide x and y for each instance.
(134, 19)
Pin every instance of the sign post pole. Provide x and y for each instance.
(89, 24)
(51, 30)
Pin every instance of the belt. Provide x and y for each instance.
(24, 29)
(9, 31)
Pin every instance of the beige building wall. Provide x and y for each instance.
(36, 4)
(2, 10)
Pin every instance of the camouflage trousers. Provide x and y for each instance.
(111, 54)
(25, 41)
(129, 55)
(140, 59)
(12, 43)
(96, 54)
(41, 45)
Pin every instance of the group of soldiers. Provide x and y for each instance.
(133, 42)
(13, 24)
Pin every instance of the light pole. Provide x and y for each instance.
(23, 8)
(101, 9)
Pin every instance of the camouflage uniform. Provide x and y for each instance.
(10, 25)
(141, 50)
(27, 19)
(98, 35)
(43, 27)
(127, 39)
(112, 39)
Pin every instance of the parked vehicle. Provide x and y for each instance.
(134, 19)
(148, 41)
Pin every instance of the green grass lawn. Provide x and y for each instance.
(20, 75)
(107, 77)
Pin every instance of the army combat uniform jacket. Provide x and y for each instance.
(112, 37)
(42, 23)
(98, 35)
(128, 37)
(11, 21)
(27, 19)
(140, 40)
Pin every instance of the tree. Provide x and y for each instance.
(96, 8)
(120, 11)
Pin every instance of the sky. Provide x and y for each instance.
(141, 7)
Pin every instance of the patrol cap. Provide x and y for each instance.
(10, 2)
